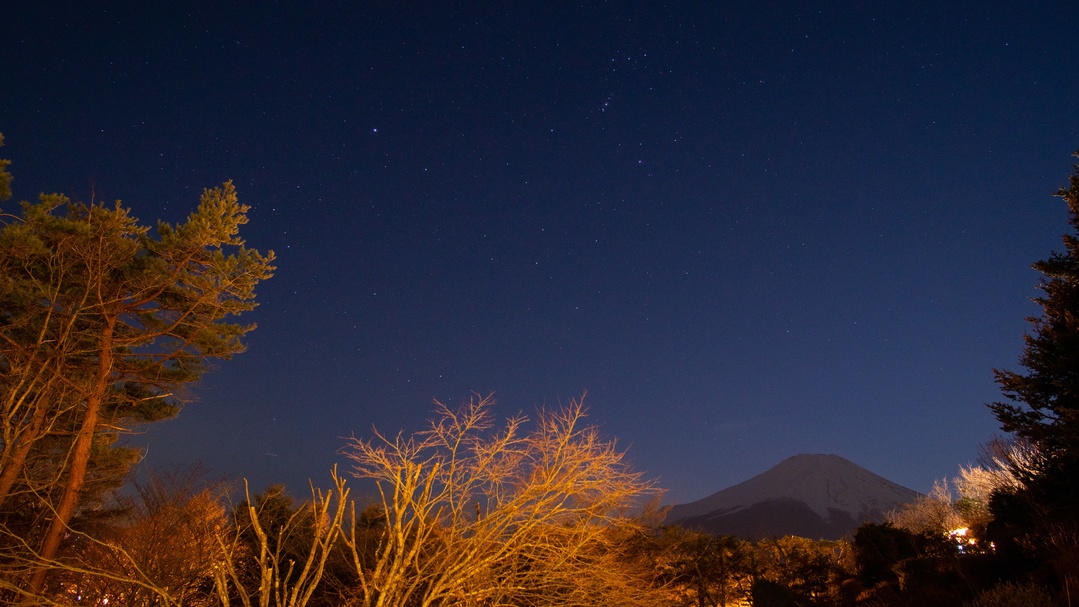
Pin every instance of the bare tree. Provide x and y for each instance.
(1010, 460)
(960, 506)
(159, 547)
(281, 578)
(934, 514)
(518, 515)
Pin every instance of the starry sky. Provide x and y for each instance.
(746, 229)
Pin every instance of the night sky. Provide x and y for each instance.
(747, 229)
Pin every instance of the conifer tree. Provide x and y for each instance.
(1044, 407)
(103, 323)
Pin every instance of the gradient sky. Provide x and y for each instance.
(747, 229)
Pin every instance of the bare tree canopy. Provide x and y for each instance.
(519, 514)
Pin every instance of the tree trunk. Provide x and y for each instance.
(18, 457)
(79, 463)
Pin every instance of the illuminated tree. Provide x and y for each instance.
(797, 564)
(976, 486)
(102, 324)
(162, 548)
(474, 515)
(959, 508)
(934, 514)
(277, 554)
(708, 570)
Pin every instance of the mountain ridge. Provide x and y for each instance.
(813, 495)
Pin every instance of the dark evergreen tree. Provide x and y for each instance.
(1044, 408)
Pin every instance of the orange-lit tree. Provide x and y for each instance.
(161, 547)
(477, 514)
(706, 570)
(277, 554)
(102, 324)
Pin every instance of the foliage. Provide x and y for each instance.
(161, 549)
(707, 570)
(1045, 407)
(878, 548)
(1013, 595)
(766, 593)
(101, 326)
(515, 516)
(704, 570)
(932, 514)
(975, 487)
(1044, 411)
(959, 508)
(805, 567)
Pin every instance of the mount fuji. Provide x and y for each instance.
(813, 496)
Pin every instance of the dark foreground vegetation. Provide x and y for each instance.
(103, 323)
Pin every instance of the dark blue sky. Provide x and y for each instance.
(748, 230)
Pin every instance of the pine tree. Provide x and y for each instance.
(102, 324)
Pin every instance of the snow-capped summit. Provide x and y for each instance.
(815, 496)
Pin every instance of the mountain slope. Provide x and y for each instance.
(815, 496)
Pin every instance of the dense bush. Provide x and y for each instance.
(1013, 595)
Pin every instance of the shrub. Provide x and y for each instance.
(1013, 595)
